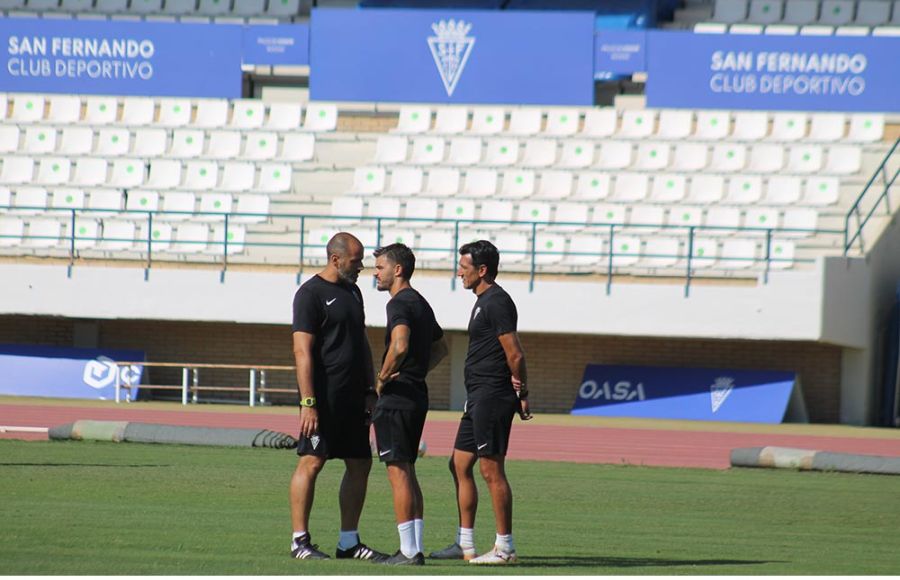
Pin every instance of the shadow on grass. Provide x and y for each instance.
(115, 465)
(614, 562)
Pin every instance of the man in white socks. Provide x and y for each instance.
(495, 392)
(414, 345)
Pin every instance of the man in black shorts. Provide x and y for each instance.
(414, 345)
(495, 391)
(335, 377)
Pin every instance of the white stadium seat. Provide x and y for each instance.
(138, 111)
(237, 176)
(783, 190)
(389, 149)
(464, 151)
(562, 122)
(150, 142)
(211, 114)
(282, 116)
(27, 108)
(248, 113)
(668, 188)
(661, 253)
(600, 122)
(637, 124)
(451, 120)
(827, 126)
(368, 180)
(843, 160)
(539, 153)
(576, 154)
(251, 209)
(405, 181)
(821, 190)
(297, 147)
(554, 185)
(9, 138)
(728, 158)
(712, 125)
(174, 112)
(675, 124)
(142, 200)
(178, 205)
(501, 152)
(113, 142)
(227, 144)
(100, 110)
(29, 200)
(585, 250)
(525, 122)
(413, 119)
(480, 183)
(592, 186)
(442, 182)
(517, 184)
(788, 126)
(767, 158)
(487, 121)
(744, 189)
(274, 178)
(17, 169)
(427, 150)
(39, 140)
(64, 109)
(750, 125)
(89, 171)
(164, 174)
(320, 117)
(614, 155)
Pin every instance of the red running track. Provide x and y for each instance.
(635, 446)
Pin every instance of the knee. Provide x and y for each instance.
(491, 474)
(358, 468)
(309, 466)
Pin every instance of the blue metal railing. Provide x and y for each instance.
(886, 184)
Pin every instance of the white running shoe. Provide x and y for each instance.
(496, 557)
(453, 552)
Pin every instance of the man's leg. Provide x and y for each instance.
(303, 490)
(493, 469)
(353, 491)
(419, 516)
(401, 480)
(461, 465)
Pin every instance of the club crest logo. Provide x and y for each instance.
(450, 48)
(314, 440)
(719, 391)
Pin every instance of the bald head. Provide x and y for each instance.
(343, 244)
(345, 257)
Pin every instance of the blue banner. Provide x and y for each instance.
(70, 373)
(685, 393)
(452, 56)
(619, 52)
(281, 44)
(805, 73)
(120, 58)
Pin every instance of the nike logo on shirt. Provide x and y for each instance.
(330, 302)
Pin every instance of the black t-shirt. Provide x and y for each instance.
(487, 372)
(334, 314)
(408, 390)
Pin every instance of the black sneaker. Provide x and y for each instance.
(361, 552)
(399, 559)
(303, 549)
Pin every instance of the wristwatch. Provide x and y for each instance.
(308, 402)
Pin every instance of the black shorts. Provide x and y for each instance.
(485, 426)
(343, 436)
(398, 432)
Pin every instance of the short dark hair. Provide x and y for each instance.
(483, 253)
(399, 254)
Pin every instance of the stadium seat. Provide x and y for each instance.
(104, 202)
(727, 220)
(423, 210)
(729, 11)
(53, 171)
(661, 252)
(480, 183)
(211, 114)
(413, 119)
(648, 217)
(675, 124)
(111, 6)
(501, 152)
(320, 116)
(667, 188)
(138, 200)
(826, 127)
(179, 6)
(89, 171)
(274, 178)
(576, 154)
(873, 12)
(86, 233)
(442, 182)
(160, 237)
(177, 206)
(744, 189)
(247, 113)
(11, 231)
(150, 142)
(630, 187)
(554, 185)
(788, 126)
(816, 30)
(765, 11)
(214, 7)
(117, 235)
(515, 248)
(283, 8)
(66, 198)
(592, 186)
(368, 180)
(386, 209)
(112, 142)
(227, 145)
(843, 160)
(562, 122)
(9, 139)
(684, 216)
(427, 150)
(190, 238)
(712, 125)
(801, 12)
(614, 155)
(237, 176)
(164, 174)
(145, 6)
(451, 120)
(626, 251)
(39, 140)
(652, 156)
(458, 209)
(765, 158)
(837, 12)
(389, 149)
(710, 28)
(584, 250)
(251, 209)
(760, 217)
(637, 124)
(525, 122)
(174, 112)
(689, 157)
(297, 147)
(781, 254)
(821, 191)
(17, 170)
(397, 235)
(600, 122)
(100, 110)
(213, 206)
(728, 158)
(248, 8)
(138, 111)
(42, 233)
(76, 5)
(866, 128)
(539, 153)
(517, 184)
(282, 116)
(608, 214)
(804, 159)
(570, 216)
(803, 219)
(405, 181)
(27, 108)
(498, 211)
(464, 151)
(257, 146)
(436, 246)
(533, 211)
(64, 109)
(750, 126)
(75, 141)
(705, 252)
(738, 254)
(29, 200)
(487, 121)
(782, 30)
(706, 189)
(782, 190)
(549, 248)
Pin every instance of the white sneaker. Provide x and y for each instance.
(496, 557)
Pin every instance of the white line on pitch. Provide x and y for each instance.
(12, 429)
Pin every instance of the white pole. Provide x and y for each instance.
(252, 387)
(184, 385)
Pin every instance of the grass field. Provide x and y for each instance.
(106, 508)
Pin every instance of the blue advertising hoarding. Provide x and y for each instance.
(803, 73)
(120, 58)
(619, 52)
(452, 56)
(685, 393)
(276, 44)
(71, 373)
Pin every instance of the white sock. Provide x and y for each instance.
(297, 535)
(466, 538)
(504, 543)
(349, 538)
(407, 531)
(419, 526)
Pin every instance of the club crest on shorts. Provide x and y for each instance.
(719, 391)
(314, 440)
(450, 48)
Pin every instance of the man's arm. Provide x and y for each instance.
(438, 351)
(396, 353)
(309, 416)
(515, 359)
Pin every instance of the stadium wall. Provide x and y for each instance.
(556, 361)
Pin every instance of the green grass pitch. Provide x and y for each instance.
(105, 508)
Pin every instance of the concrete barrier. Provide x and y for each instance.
(811, 460)
(118, 431)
